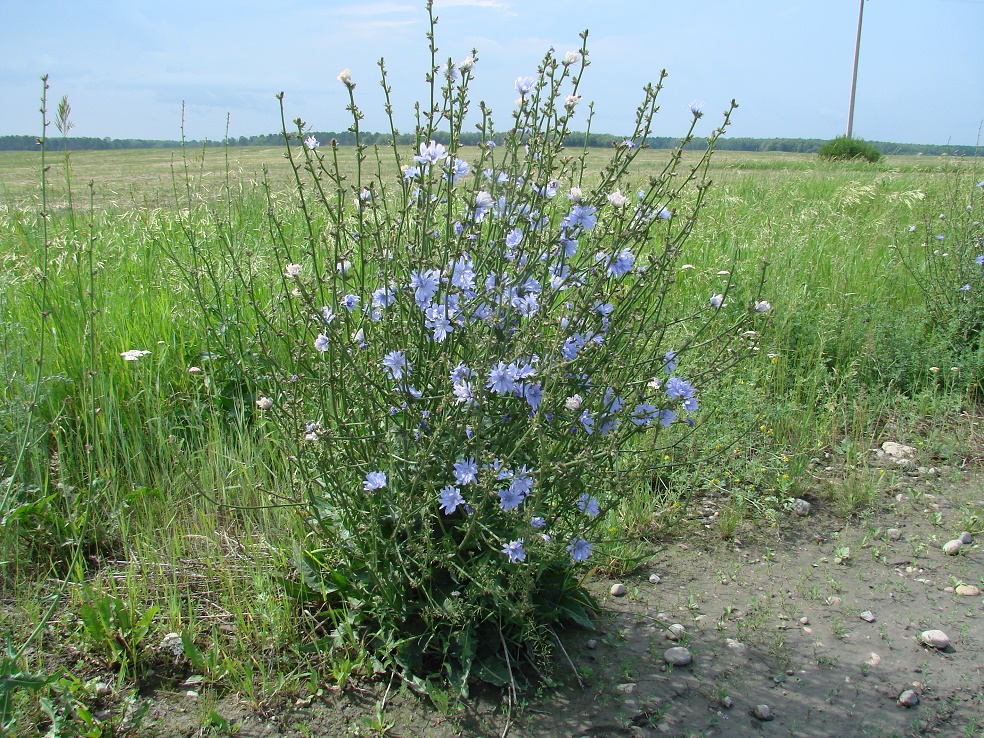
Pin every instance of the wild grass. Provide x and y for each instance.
(181, 504)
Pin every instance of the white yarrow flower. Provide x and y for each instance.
(574, 402)
(133, 354)
(264, 403)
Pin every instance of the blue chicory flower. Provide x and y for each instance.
(581, 215)
(430, 153)
(374, 480)
(514, 550)
(501, 379)
(396, 363)
(466, 471)
(670, 361)
(579, 550)
(588, 504)
(524, 85)
(450, 498)
(509, 498)
(424, 284)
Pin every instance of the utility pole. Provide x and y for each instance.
(854, 80)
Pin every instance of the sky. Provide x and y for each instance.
(128, 66)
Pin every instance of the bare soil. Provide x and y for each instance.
(789, 597)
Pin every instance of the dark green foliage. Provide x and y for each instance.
(843, 148)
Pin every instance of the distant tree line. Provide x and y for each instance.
(574, 139)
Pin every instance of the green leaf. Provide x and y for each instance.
(191, 651)
(572, 610)
(492, 669)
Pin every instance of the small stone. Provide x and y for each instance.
(897, 449)
(801, 507)
(675, 632)
(804, 621)
(627, 688)
(101, 689)
(763, 712)
(908, 699)
(591, 644)
(867, 616)
(678, 656)
(965, 538)
(737, 646)
(967, 590)
(935, 639)
(727, 702)
(873, 660)
(952, 548)
(302, 702)
(619, 590)
(894, 534)
(654, 578)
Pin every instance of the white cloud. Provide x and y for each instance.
(380, 8)
(494, 4)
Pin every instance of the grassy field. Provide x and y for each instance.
(195, 528)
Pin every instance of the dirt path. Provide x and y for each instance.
(818, 619)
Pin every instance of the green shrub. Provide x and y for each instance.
(456, 363)
(844, 148)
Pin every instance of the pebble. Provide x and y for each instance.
(894, 534)
(935, 639)
(727, 702)
(737, 646)
(627, 688)
(897, 449)
(678, 656)
(654, 578)
(101, 689)
(967, 590)
(868, 616)
(619, 590)
(873, 660)
(592, 644)
(908, 699)
(675, 632)
(763, 712)
(952, 548)
(801, 507)
(804, 621)
(965, 538)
